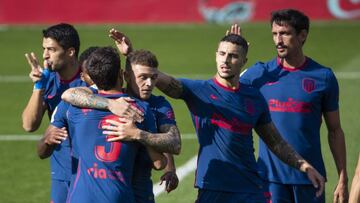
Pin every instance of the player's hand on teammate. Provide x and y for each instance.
(122, 130)
(55, 136)
(341, 193)
(124, 107)
(171, 180)
(234, 29)
(122, 42)
(314, 176)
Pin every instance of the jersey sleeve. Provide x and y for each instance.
(265, 116)
(330, 101)
(59, 117)
(189, 87)
(164, 112)
(252, 75)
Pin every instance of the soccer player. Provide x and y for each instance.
(141, 66)
(104, 168)
(355, 185)
(61, 45)
(84, 75)
(224, 112)
(141, 75)
(299, 92)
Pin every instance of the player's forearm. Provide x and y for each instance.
(272, 138)
(168, 142)
(170, 166)
(336, 140)
(169, 85)
(33, 112)
(159, 160)
(84, 98)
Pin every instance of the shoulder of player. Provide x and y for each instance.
(187, 82)
(311, 62)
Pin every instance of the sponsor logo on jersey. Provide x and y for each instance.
(290, 105)
(102, 173)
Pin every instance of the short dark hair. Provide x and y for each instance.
(296, 19)
(141, 57)
(86, 54)
(103, 67)
(238, 40)
(65, 34)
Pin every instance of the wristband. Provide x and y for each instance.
(41, 84)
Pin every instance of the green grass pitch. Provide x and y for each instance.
(182, 50)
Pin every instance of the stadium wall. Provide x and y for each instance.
(167, 11)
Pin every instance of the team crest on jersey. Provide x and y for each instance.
(249, 106)
(308, 85)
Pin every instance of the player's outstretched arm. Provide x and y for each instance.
(355, 185)
(272, 138)
(166, 141)
(169, 85)
(84, 97)
(52, 137)
(336, 141)
(169, 176)
(122, 42)
(35, 108)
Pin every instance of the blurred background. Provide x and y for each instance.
(184, 36)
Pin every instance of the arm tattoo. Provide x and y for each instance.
(170, 86)
(174, 89)
(82, 98)
(166, 141)
(270, 135)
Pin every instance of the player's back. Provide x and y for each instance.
(105, 168)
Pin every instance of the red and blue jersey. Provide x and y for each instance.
(224, 119)
(60, 160)
(105, 169)
(297, 98)
(56, 86)
(142, 184)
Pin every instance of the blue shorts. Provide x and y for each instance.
(211, 196)
(286, 193)
(59, 190)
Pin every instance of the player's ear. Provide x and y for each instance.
(303, 35)
(71, 51)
